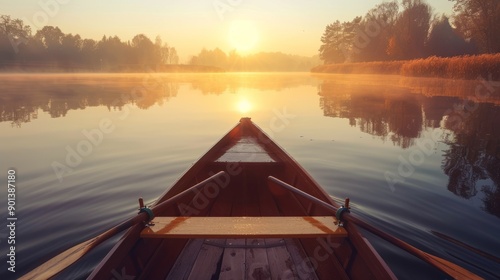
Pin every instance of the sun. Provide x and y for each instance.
(243, 35)
(244, 106)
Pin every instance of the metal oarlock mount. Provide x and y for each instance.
(343, 209)
(144, 209)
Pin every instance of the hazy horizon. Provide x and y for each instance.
(292, 27)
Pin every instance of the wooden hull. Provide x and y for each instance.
(248, 157)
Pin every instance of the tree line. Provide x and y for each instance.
(51, 48)
(262, 61)
(410, 30)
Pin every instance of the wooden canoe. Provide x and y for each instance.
(241, 226)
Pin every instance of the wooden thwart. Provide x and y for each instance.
(242, 227)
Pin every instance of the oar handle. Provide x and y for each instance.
(449, 268)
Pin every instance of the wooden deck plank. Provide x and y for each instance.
(280, 262)
(185, 261)
(206, 264)
(165, 254)
(303, 270)
(257, 267)
(233, 260)
(240, 227)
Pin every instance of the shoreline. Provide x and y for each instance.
(486, 66)
(56, 69)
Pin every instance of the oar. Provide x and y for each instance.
(467, 246)
(68, 257)
(449, 268)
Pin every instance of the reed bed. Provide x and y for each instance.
(380, 67)
(460, 67)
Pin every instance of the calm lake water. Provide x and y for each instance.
(419, 158)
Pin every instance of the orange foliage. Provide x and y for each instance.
(376, 67)
(459, 67)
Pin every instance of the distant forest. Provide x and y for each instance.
(410, 30)
(263, 61)
(50, 49)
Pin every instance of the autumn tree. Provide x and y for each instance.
(478, 21)
(384, 33)
(411, 29)
(376, 29)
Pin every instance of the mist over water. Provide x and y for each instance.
(419, 158)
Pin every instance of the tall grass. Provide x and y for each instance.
(379, 67)
(460, 67)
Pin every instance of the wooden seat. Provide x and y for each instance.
(243, 227)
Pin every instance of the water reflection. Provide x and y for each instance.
(393, 109)
(473, 159)
(22, 96)
(401, 114)
(381, 112)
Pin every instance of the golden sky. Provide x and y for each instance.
(290, 26)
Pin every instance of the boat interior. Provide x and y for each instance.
(210, 249)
